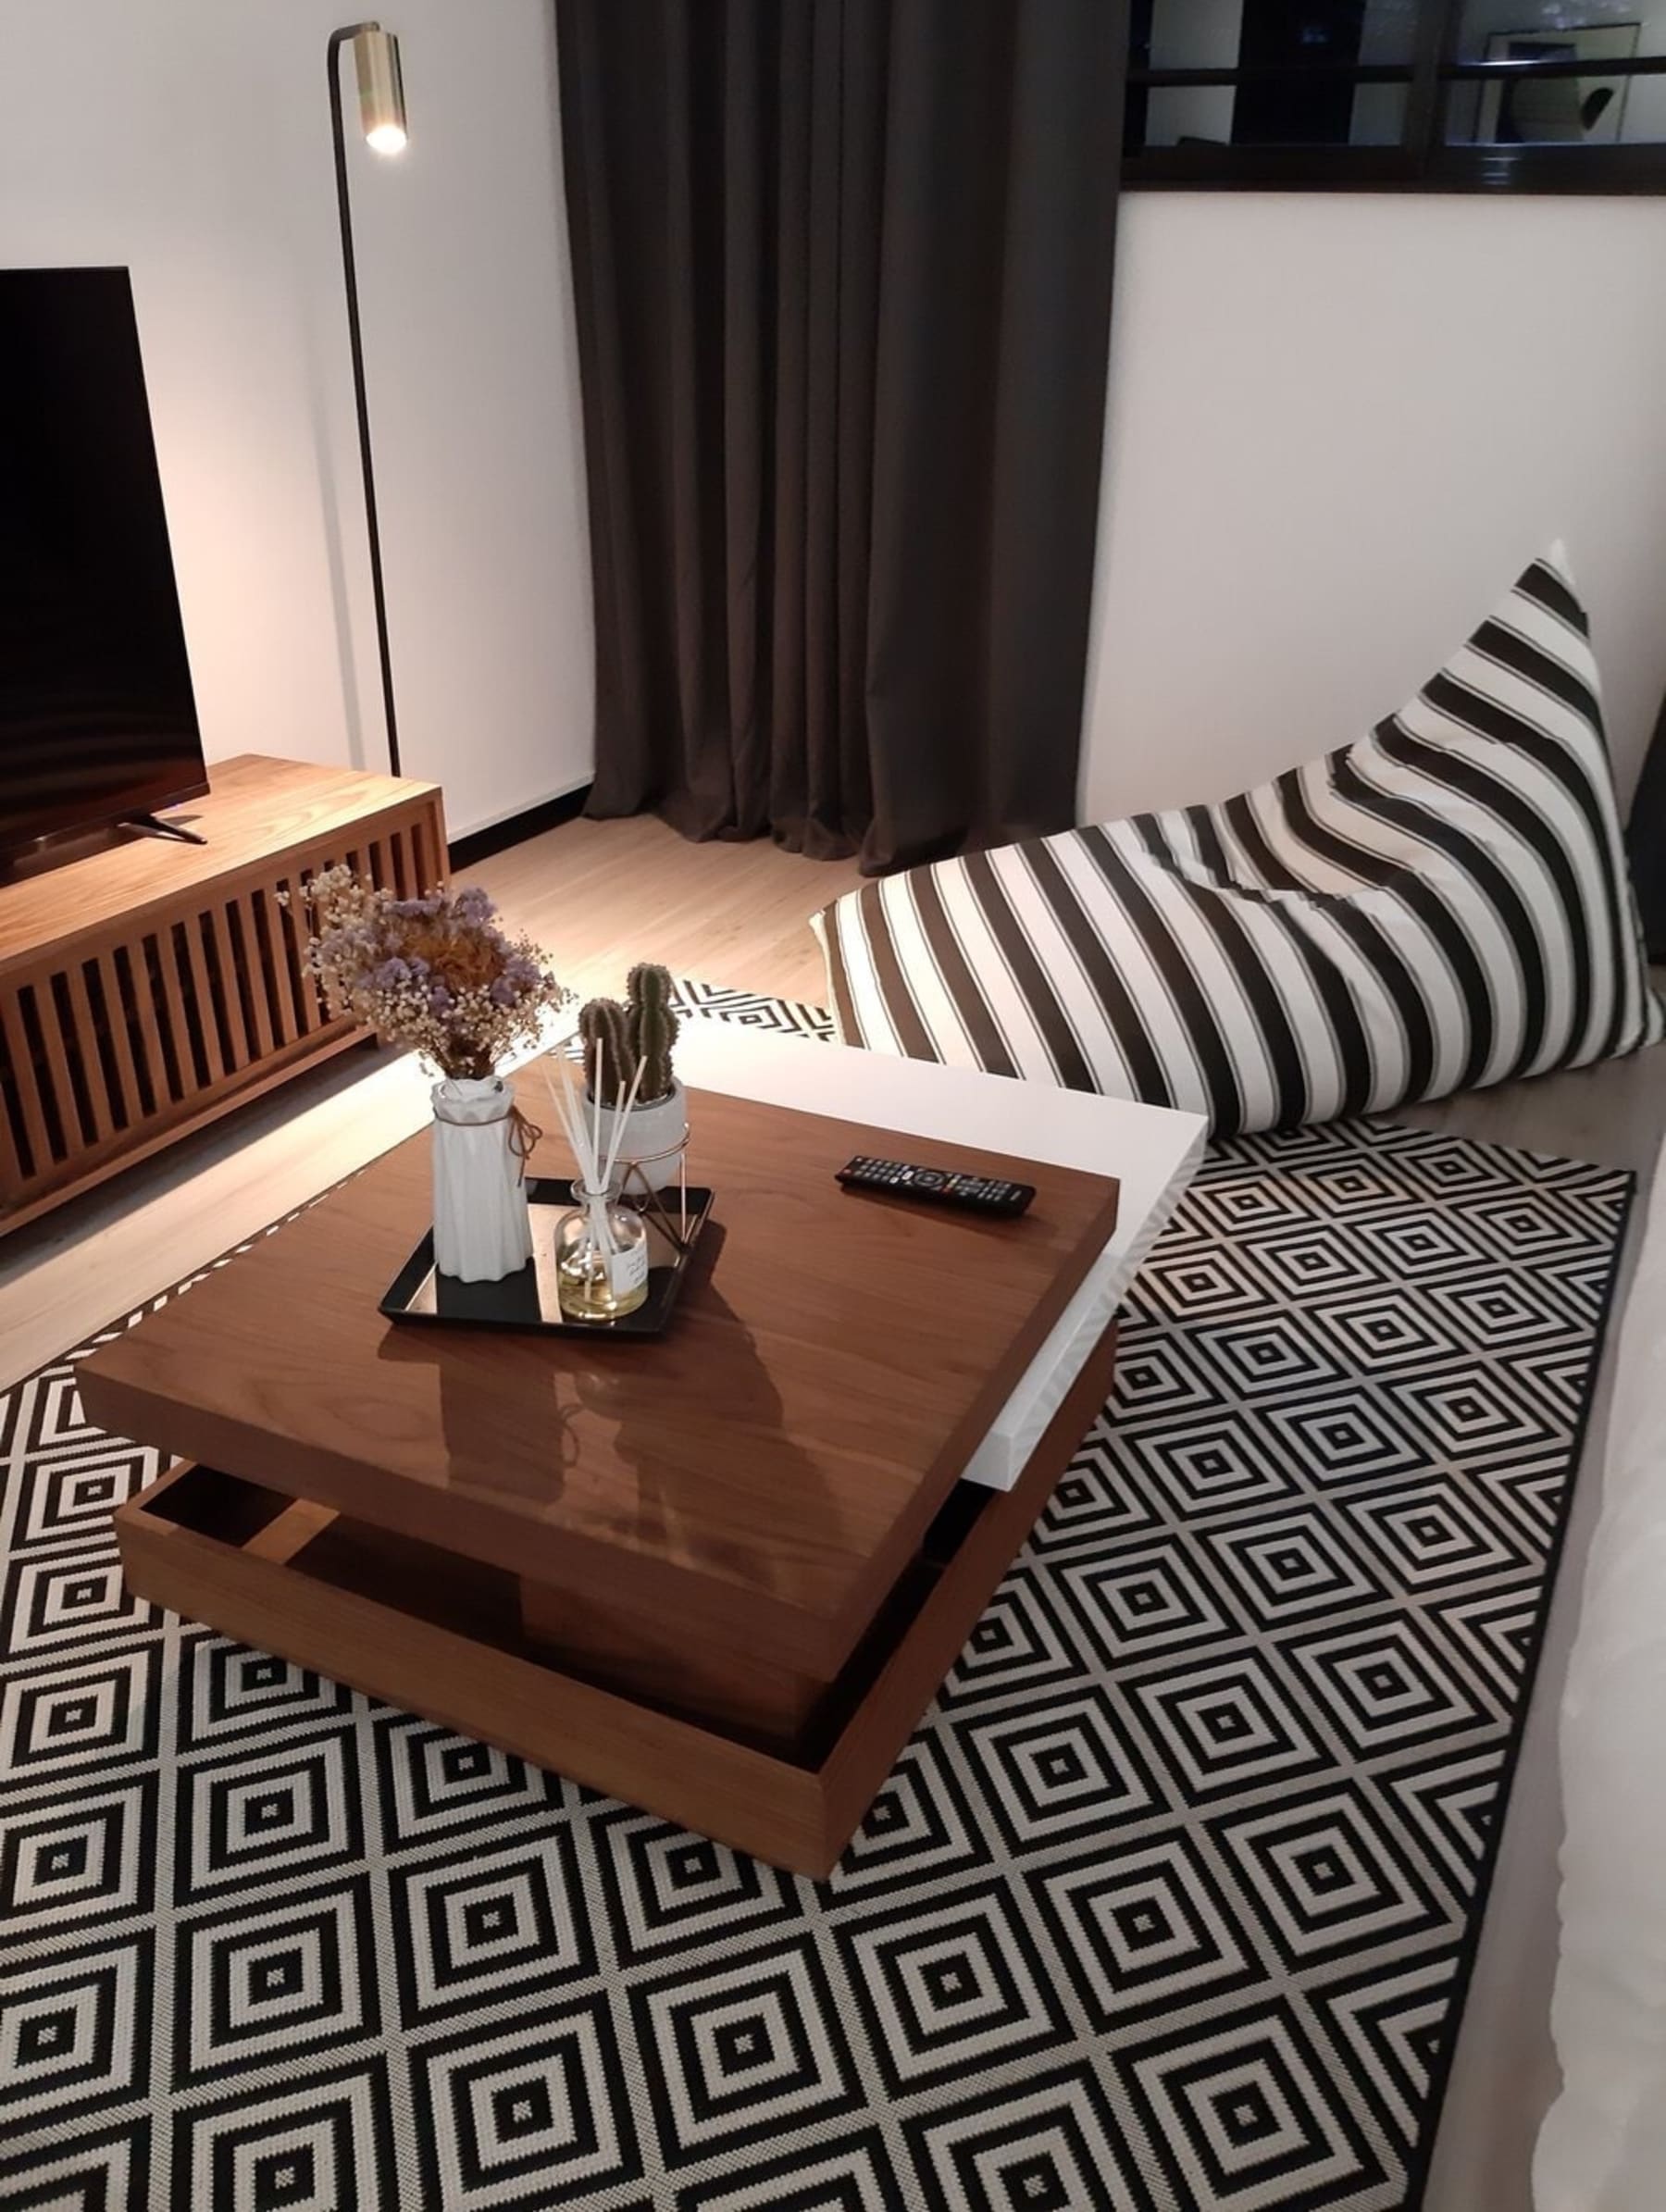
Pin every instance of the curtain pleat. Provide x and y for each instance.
(843, 273)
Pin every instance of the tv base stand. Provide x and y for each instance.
(149, 985)
(153, 825)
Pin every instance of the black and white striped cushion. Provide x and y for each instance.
(1443, 905)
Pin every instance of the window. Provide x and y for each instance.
(1460, 95)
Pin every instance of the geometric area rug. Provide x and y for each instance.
(1169, 1903)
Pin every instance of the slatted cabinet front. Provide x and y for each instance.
(117, 1038)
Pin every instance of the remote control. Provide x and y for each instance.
(937, 1185)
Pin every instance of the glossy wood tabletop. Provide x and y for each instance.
(758, 1476)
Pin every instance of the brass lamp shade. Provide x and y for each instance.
(380, 88)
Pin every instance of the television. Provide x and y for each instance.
(97, 717)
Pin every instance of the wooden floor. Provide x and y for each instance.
(601, 895)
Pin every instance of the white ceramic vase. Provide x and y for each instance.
(653, 1142)
(481, 1229)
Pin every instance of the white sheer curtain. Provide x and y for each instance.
(1603, 2144)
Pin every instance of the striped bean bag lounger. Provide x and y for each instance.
(1441, 905)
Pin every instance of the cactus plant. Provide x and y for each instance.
(644, 1029)
(604, 1025)
(653, 1027)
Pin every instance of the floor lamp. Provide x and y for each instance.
(383, 117)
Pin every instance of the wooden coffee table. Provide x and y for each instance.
(719, 1574)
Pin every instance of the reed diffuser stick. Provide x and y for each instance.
(596, 1106)
(586, 1143)
(619, 1121)
(572, 1119)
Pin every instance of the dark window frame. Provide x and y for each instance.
(1423, 161)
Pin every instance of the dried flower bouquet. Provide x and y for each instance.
(438, 975)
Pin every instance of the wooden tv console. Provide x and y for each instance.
(148, 987)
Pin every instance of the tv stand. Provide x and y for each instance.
(153, 825)
(150, 986)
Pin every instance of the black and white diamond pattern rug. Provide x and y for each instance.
(1171, 1902)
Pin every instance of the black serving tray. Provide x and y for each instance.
(420, 1294)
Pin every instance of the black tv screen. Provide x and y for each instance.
(97, 717)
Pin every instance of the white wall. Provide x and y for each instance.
(190, 140)
(1338, 427)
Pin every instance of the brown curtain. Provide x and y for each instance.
(842, 271)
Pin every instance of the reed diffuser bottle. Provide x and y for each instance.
(601, 1247)
(600, 1258)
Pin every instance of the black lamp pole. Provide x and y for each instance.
(379, 82)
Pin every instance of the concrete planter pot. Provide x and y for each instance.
(654, 1140)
